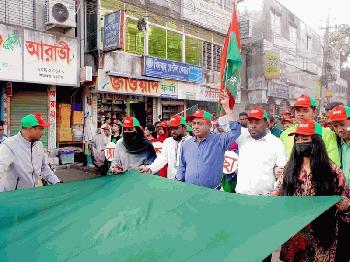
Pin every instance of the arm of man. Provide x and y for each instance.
(47, 173)
(116, 165)
(162, 159)
(6, 160)
(330, 141)
(181, 169)
(281, 159)
(235, 128)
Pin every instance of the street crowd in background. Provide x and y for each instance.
(296, 153)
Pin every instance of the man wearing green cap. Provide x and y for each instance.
(202, 157)
(23, 162)
(171, 148)
(305, 109)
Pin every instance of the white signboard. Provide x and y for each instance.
(109, 151)
(50, 59)
(209, 94)
(11, 42)
(230, 162)
(207, 14)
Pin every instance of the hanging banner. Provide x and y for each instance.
(276, 89)
(50, 59)
(230, 162)
(11, 43)
(209, 94)
(110, 151)
(165, 69)
(133, 216)
(272, 65)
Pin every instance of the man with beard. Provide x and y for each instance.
(261, 155)
(133, 150)
(243, 119)
(171, 148)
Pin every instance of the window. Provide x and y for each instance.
(216, 57)
(193, 51)
(292, 34)
(157, 42)
(134, 38)
(207, 55)
(275, 23)
(308, 43)
(174, 46)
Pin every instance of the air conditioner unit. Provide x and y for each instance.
(60, 13)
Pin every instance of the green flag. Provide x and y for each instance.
(138, 217)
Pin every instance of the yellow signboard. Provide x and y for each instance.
(272, 68)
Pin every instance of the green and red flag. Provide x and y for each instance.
(231, 59)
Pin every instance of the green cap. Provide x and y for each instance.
(189, 128)
(33, 120)
(199, 114)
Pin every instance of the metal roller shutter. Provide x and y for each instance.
(27, 102)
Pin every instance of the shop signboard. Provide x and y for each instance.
(50, 59)
(165, 69)
(272, 65)
(279, 90)
(209, 94)
(168, 89)
(125, 85)
(11, 48)
(188, 91)
(113, 31)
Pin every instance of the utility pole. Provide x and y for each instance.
(325, 65)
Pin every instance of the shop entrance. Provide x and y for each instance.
(138, 111)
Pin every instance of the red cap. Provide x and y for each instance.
(130, 121)
(339, 113)
(289, 120)
(202, 114)
(307, 128)
(177, 121)
(163, 124)
(305, 101)
(257, 113)
(41, 121)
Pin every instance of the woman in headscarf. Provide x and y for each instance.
(310, 172)
(133, 150)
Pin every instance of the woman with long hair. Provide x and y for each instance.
(310, 172)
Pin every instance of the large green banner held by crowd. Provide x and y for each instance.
(136, 217)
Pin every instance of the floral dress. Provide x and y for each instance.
(304, 246)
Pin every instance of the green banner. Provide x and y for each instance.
(137, 217)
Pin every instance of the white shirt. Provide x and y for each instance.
(257, 159)
(170, 155)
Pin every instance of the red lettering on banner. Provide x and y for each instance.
(229, 163)
(53, 114)
(132, 85)
(52, 104)
(48, 53)
(109, 153)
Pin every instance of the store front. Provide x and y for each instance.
(119, 96)
(27, 99)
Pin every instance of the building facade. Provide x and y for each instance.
(284, 58)
(39, 62)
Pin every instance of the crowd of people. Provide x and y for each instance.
(290, 154)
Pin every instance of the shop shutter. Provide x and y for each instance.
(27, 102)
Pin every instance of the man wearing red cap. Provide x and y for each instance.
(261, 155)
(339, 118)
(23, 162)
(305, 109)
(171, 148)
(133, 149)
(202, 157)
